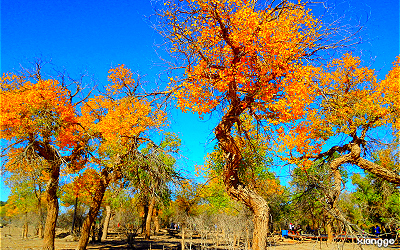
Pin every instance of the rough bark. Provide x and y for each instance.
(40, 213)
(235, 188)
(145, 207)
(148, 218)
(106, 222)
(93, 211)
(52, 208)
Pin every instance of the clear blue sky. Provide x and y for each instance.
(92, 36)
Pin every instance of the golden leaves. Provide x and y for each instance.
(38, 108)
(117, 119)
(253, 52)
(121, 77)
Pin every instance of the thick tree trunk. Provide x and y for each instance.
(329, 231)
(260, 209)
(148, 218)
(52, 208)
(93, 211)
(106, 223)
(235, 188)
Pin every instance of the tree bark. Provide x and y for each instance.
(25, 227)
(148, 218)
(40, 226)
(52, 208)
(106, 223)
(235, 188)
(329, 231)
(94, 210)
(183, 236)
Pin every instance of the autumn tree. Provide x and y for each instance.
(154, 172)
(244, 57)
(118, 123)
(352, 103)
(256, 175)
(39, 119)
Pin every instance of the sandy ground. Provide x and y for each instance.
(10, 238)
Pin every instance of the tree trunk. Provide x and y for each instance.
(40, 214)
(329, 231)
(93, 211)
(40, 230)
(260, 209)
(148, 218)
(25, 227)
(183, 237)
(74, 218)
(235, 188)
(52, 208)
(106, 223)
(145, 212)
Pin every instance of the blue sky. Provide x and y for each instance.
(93, 36)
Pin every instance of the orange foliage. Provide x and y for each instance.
(268, 67)
(84, 186)
(348, 100)
(36, 109)
(119, 119)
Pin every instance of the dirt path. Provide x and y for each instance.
(10, 238)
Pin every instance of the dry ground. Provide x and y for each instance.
(11, 239)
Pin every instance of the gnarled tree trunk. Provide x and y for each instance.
(235, 188)
(148, 218)
(52, 208)
(106, 223)
(94, 210)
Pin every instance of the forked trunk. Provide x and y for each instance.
(93, 211)
(106, 223)
(148, 218)
(235, 188)
(52, 208)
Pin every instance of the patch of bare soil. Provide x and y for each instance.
(11, 238)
